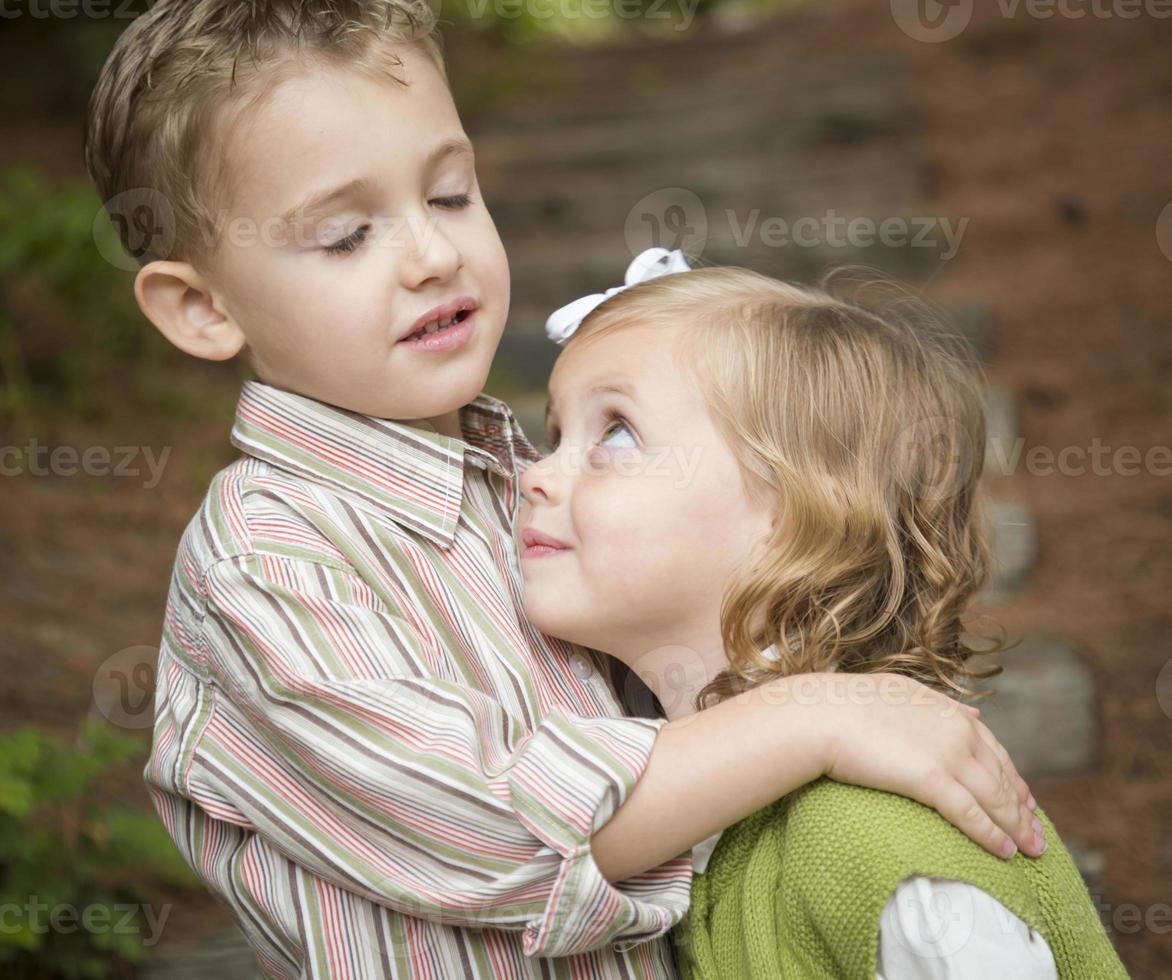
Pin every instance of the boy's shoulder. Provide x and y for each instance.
(252, 508)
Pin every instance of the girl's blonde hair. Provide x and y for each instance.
(863, 425)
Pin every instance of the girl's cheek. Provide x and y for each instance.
(596, 462)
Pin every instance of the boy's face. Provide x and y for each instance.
(326, 299)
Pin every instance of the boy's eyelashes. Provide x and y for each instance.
(349, 243)
(454, 202)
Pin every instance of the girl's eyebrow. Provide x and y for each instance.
(613, 387)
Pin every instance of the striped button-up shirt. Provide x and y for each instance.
(361, 743)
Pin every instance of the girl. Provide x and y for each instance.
(750, 479)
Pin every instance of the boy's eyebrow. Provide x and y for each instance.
(614, 387)
(321, 199)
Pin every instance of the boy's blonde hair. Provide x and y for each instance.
(865, 429)
(181, 79)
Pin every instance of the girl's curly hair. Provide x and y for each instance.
(860, 420)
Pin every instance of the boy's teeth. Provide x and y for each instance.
(437, 325)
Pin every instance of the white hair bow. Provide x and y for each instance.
(648, 264)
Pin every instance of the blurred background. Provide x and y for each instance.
(1011, 160)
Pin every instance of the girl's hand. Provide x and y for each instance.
(893, 733)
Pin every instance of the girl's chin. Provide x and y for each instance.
(552, 619)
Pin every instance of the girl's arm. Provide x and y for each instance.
(710, 769)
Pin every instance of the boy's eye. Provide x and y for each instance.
(349, 243)
(455, 202)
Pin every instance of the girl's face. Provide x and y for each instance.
(646, 500)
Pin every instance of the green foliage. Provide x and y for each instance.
(521, 22)
(67, 316)
(71, 870)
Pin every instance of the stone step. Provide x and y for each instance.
(1014, 542)
(226, 956)
(744, 126)
(733, 196)
(661, 82)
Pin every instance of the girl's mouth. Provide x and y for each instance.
(542, 551)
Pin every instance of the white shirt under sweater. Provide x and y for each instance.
(941, 929)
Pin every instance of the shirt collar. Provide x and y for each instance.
(414, 476)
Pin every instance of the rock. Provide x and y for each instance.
(1001, 431)
(1014, 541)
(1091, 865)
(977, 323)
(1043, 710)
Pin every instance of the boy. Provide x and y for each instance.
(361, 744)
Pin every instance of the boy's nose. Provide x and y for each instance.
(429, 254)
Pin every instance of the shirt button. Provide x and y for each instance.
(580, 666)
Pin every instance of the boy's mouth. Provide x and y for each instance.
(441, 318)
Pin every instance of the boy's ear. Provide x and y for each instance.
(178, 300)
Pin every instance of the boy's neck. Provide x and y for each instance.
(447, 424)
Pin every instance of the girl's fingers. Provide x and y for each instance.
(989, 782)
(1032, 839)
(961, 809)
(1022, 788)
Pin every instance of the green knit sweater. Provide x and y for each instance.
(796, 891)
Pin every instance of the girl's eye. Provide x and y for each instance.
(619, 426)
(455, 202)
(349, 243)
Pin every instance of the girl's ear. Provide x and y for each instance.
(178, 300)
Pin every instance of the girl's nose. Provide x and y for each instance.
(539, 483)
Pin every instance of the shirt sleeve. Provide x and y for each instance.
(335, 736)
(941, 929)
